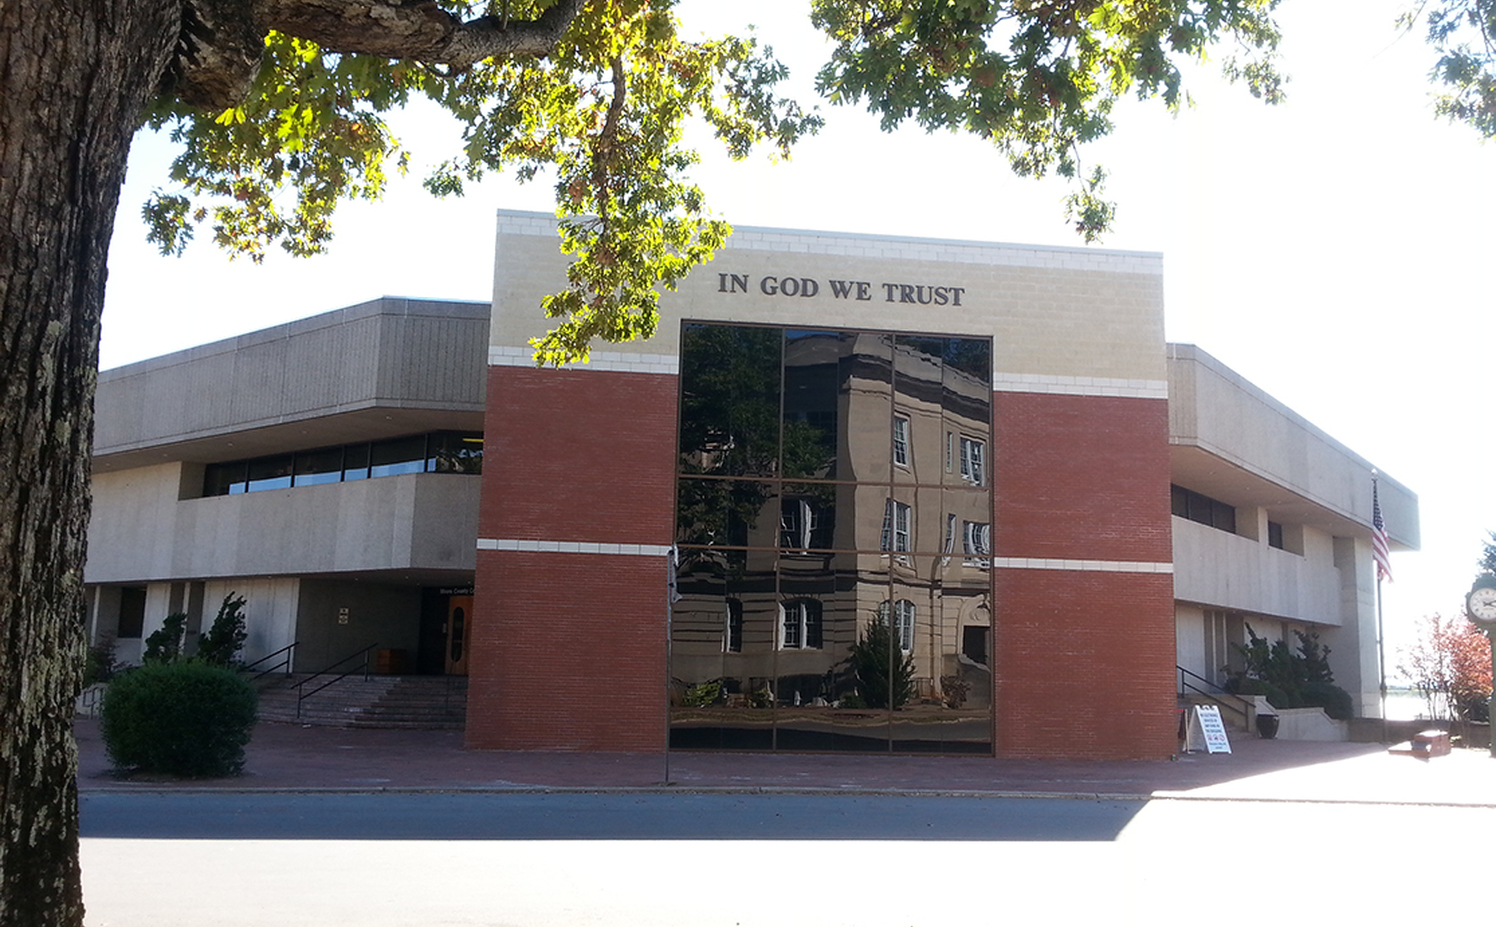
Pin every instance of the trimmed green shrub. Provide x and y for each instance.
(186, 719)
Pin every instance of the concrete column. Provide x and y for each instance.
(1353, 656)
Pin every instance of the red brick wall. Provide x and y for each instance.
(579, 455)
(1084, 658)
(569, 649)
(568, 653)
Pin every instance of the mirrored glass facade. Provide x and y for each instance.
(833, 515)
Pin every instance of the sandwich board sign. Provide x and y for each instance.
(1206, 731)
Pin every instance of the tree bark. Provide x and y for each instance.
(74, 76)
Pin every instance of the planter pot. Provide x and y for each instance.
(1267, 726)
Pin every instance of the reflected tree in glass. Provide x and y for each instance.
(885, 676)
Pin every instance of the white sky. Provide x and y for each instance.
(1334, 250)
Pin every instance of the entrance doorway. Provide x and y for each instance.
(443, 610)
(459, 633)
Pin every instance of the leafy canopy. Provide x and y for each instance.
(602, 111)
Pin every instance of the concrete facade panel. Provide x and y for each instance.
(392, 353)
(1259, 451)
(142, 531)
(1222, 570)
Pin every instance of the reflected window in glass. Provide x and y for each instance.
(901, 441)
(801, 625)
(973, 466)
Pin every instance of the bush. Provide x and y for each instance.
(1336, 702)
(164, 644)
(1246, 685)
(183, 719)
(1289, 679)
(100, 665)
(221, 645)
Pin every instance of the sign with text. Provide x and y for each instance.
(924, 294)
(1206, 731)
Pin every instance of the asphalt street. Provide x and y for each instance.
(700, 860)
(594, 816)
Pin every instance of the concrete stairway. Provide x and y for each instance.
(413, 702)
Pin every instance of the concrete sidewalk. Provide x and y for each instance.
(291, 758)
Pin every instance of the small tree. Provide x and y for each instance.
(164, 645)
(221, 645)
(885, 677)
(1291, 679)
(1450, 665)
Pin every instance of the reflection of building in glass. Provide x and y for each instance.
(843, 436)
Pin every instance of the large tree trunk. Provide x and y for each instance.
(74, 76)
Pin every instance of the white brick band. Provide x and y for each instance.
(574, 547)
(661, 550)
(881, 247)
(1082, 566)
(1079, 386)
(601, 361)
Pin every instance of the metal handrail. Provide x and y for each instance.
(288, 650)
(301, 693)
(1245, 707)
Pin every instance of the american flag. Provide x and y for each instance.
(1379, 549)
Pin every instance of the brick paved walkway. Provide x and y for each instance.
(289, 757)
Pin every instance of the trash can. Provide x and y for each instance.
(1267, 726)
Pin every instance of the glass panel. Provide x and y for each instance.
(847, 608)
(455, 452)
(726, 513)
(969, 360)
(402, 455)
(823, 703)
(323, 466)
(968, 535)
(812, 401)
(355, 462)
(966, 400)
(723, 630)
(270, 473)
(729, 418)
(917, 363)
(224, 479)
(807, 517)
(867, 385)
(951, 711)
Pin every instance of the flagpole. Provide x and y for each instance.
(1382, 658)
(1376, 521)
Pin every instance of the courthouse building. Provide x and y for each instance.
(857, 493)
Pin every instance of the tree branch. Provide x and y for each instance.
(221, 41)
(416, 30)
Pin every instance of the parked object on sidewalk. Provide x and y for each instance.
(1424, 744)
